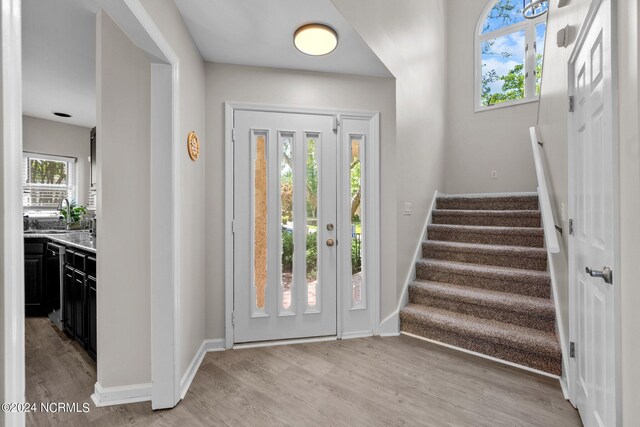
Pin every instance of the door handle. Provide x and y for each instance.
(330, 242)
(606, 274)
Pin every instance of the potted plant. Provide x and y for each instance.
(76, 214)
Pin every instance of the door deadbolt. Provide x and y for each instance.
(330, 242)
(330, 227)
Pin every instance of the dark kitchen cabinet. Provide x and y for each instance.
(80, 295)
(33, 284)
(92, 330)
(52, 277)
(34, 276)
(79, 298)
(69, 292)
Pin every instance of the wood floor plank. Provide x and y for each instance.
(362, 382)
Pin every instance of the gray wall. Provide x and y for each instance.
(286, 87)
(192, 178)
(409, 36)
(478, 143)
(60, 139)
(123, 145)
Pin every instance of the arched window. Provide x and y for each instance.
(509, 53)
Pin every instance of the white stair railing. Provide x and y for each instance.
(548, 222)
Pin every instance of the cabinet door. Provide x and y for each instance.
(92, 332)
(69, 297)
(52, 281)
(33, 265)
(79, 296)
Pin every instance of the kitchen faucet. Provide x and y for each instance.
(68, 216)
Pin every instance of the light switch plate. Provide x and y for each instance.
(407, 208)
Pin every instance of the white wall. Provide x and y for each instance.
(629, 108)
(553, 128)
(285, 87)
(60, 139)
(123, 144)
(192, 178)
(478, 143)
(409, 36)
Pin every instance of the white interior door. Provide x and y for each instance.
(593, 240)
(285, 236)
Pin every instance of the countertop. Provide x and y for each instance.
(77, 239)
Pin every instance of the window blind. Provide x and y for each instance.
(46, 180)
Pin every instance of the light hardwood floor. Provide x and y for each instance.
(368, 382)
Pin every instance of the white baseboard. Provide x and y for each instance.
(108, 396)
(484, 356)
(190, 374)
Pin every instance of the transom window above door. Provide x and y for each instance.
(509, 54)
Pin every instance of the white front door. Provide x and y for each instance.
(592, 193)
(285, 236)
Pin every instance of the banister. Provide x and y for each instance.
(548, 222)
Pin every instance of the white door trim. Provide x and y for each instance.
(12, 241)
(373, 184)
(573, 315)
(136, 22)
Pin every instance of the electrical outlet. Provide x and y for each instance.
(494, 174)
(407, 208)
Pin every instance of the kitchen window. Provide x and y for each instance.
(46, 180)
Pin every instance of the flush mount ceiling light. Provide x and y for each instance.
(65, 115)
(315, 39)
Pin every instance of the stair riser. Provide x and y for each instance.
(541, 362)
(499, 260)
(493, 204)
(487, 239)
(541, 289)
(487, 220)
(530, 320)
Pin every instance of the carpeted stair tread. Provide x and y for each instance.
(495, 218)
(517, 337)
(533, 312)
(505, 279)
(482, 283)
(488, 202)
(510, 236)
(520, 257)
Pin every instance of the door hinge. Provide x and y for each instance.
(233, 318)
(571, 227)
(571, 104)
(233, 226)
(336, 123)
(572, 350)
(233, 135)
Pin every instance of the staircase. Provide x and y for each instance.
(482, 282)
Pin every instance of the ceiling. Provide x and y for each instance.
(58, 54)
(260, 33)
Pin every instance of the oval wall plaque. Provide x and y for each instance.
(193, 145)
